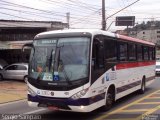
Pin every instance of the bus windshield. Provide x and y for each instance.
(60, 59)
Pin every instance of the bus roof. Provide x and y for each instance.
(74, 31)
(93, 32)
(127, 38)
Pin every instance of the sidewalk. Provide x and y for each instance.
(12, 91)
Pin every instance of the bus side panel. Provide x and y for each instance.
(130, 79)
(126, 78)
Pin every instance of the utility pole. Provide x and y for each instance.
(68, 19)
(103, 16)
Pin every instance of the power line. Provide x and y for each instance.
(130, 7)
(26, 12)
(48, 12)
(126, 11)
(90, 5)
(22, 6)
(74, 5)
(85, 5)
(84, 18)
(122, 9)
(16, 16)
(70, 6)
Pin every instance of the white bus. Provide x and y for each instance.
(82, 70)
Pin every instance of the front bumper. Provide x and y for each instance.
(67, 104)
(63, 104)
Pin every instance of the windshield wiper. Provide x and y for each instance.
(50, 60)
(58, 61)
(64, 72)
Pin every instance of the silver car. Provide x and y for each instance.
(18, 71)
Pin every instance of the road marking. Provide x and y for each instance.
(158, 93)
(153, 97)
(120, 109)
(148, 103)
(13, 102)
(123, 119)
(148, 112)
(135, 110)
(35, 111)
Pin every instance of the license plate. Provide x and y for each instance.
(53, 108)
(46, 93)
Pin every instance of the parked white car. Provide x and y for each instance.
(18, 71)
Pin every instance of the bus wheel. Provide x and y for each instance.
(109, 100)
(143, 86)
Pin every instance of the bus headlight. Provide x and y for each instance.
(79, 94)
(31, 92)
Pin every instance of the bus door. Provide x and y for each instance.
(110, 58)
(104, 58)
(97, 59)
(98, 68)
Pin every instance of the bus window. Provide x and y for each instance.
(145, 53)
(153, 54)
(132, 52)
(150, 53)
(139, 53)
(122, 51)
(98, 54)
(110, 53)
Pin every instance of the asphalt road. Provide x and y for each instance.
(130, 105)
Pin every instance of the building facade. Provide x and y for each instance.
(14, 34)
(150, 35)
(12, 30)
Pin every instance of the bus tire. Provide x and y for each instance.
(143, 86)
(110, 98)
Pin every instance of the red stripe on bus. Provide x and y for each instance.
(134, 64)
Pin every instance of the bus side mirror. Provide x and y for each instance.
(30, 45)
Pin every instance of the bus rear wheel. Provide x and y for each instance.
(143, 86)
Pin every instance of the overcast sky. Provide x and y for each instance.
(83, 13)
